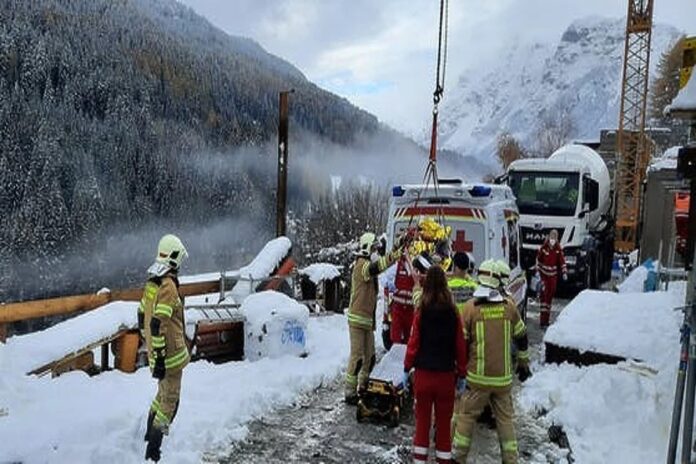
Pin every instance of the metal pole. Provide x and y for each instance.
(281, 196)
(679, 394)
(687, 438)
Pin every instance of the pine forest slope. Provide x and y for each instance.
(121, 119)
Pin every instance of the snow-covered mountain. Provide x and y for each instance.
(532, 82)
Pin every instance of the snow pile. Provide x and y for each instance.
(613, 413)
(629, 325)
(635, 282)
(24, 353)
(686, 99)
(75, 418)
(319, 272)
(610, 413)
(667, 161)
(275, 326)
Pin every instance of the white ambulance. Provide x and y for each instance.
(484, 221)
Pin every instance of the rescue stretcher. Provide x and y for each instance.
(384, 398)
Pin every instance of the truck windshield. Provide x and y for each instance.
(545, 193)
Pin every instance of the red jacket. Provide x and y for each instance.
(550, 260)
(431, 355)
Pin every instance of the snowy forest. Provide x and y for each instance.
(123, 119)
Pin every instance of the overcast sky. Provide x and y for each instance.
(380, 54)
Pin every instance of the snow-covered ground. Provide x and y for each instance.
(74, 418)
(613, 413)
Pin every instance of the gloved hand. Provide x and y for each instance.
(565, 276)
(461, 386)
(523, 372)
(405, 380)
(159, 370)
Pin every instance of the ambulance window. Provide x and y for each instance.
(513, 243)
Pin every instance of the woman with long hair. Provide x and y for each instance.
(437, 351)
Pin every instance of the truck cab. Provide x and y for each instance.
(484, 221)
(569, 192)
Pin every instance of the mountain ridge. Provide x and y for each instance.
(578, 77)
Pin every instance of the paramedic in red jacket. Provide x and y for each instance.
(401, 307)
(550, 264)
(437, 351)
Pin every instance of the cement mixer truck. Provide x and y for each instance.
(571, 192)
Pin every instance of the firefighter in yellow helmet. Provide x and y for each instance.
(161, 322)
(491, 324)
(361, 312)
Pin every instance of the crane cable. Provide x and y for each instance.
(431, 169)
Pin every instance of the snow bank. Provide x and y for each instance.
(635, 282)
(319, 272)
(610, 413)
(632, 325)
(25, 353)
(613, 413)
(275, 325)
(94, 420)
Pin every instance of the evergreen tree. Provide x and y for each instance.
(665, 86)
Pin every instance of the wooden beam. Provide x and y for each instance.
(14, 312)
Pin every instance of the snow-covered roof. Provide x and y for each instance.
(318, 272)
(685, 102)
(268, 259)
(667, 161)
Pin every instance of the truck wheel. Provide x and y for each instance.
(594, 272)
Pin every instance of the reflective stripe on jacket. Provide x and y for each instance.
(161, 302)
(489, 329)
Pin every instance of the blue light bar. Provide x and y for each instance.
(398, 191)
(480, 191)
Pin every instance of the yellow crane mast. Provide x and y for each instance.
(634, 147)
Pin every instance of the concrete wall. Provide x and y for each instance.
(658, 228)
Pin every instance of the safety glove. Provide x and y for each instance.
(405, 380)
(461, 386)
(159, 370)
(523, 372)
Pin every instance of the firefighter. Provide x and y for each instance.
(401, 307)
(460, 281)
(490, 323)
(437, 350)
(550, 262)
(161, 322)
(361, 312)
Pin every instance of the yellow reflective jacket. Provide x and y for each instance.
(162, 319)
(489, 329)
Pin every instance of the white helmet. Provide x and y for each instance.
(367, 240)
(171, 252)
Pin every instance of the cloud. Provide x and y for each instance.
(381, 54)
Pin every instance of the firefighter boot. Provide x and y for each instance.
(150, 420)
(153, 445)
